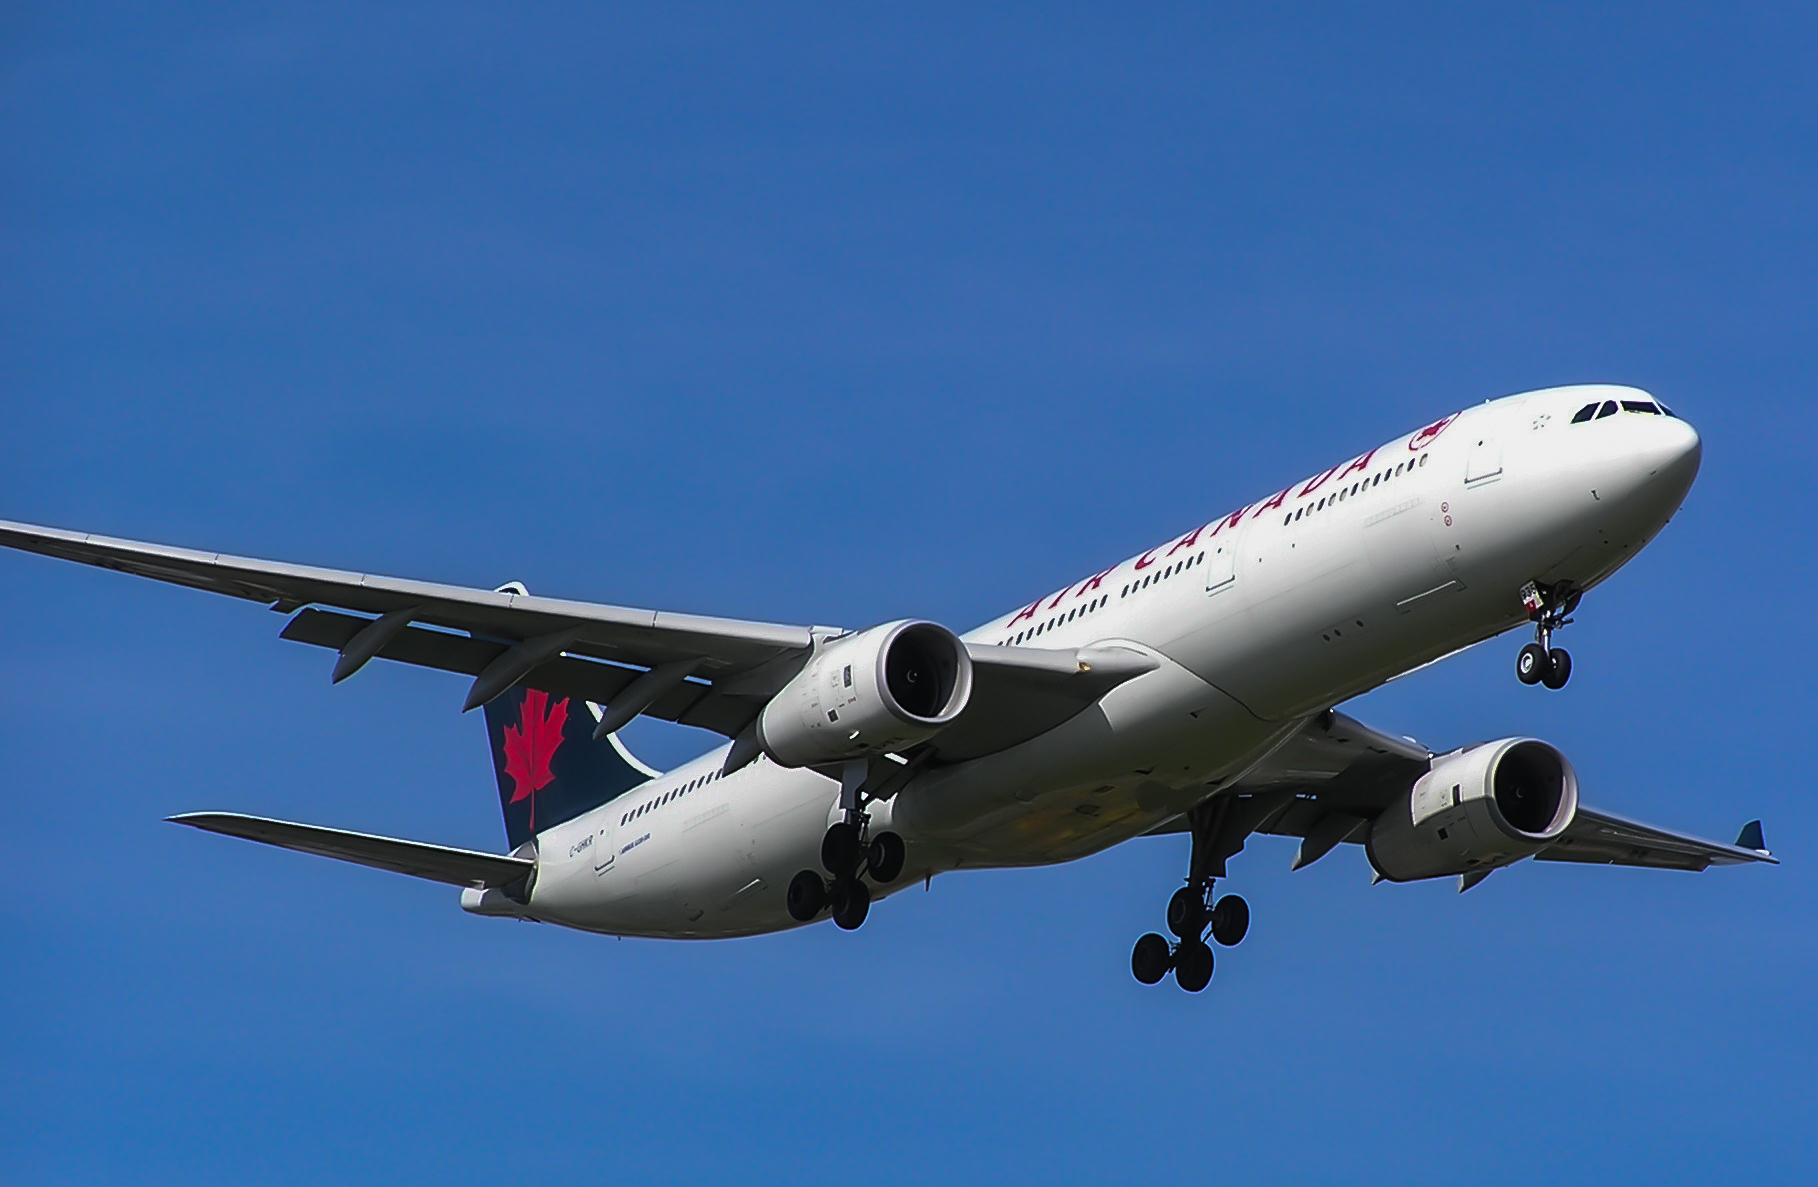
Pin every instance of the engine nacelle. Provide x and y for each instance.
(868, 693)
(1476, 809)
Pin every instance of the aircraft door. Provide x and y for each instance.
(605, 844)
(1484, 461)
(1221, 566)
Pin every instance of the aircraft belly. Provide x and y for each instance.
(715, 871)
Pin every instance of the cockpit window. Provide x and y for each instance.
(1646, 406)
(1608, 409)
(1585, 413)
(1665, 411)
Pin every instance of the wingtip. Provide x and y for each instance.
(201, 820)
(1751, 837)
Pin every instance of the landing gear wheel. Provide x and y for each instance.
(885, 858)
(1187, 913)
(1531, 665)
(1150, 961)
(1193, 965)
(841, 849)
(851, 903)
(1559, 668)
(806, 896)
(1230, 920)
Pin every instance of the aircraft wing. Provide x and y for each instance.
(1330, 780)
(714, 673)
(437, 863)
(1605, 839)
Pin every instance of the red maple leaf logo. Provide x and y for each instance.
(530, 745)
(1425, 437)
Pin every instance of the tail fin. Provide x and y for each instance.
(549, 767)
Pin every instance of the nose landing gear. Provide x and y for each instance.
(1548, 606)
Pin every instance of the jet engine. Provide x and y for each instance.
(868, 693)
(1476, 809)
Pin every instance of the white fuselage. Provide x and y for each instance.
(1259, 619)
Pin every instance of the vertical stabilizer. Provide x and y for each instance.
(549, 767)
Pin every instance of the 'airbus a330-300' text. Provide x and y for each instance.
(1188, 689)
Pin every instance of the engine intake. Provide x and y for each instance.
(1476, 809)
(868, 693)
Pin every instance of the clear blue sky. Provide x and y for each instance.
(824, 315)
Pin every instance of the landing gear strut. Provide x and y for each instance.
(1548, 607)
(1192, 910)
(849, 854)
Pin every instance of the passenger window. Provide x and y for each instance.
(1608, 409)
(1584, 414)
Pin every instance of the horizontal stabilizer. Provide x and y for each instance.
(438, 863)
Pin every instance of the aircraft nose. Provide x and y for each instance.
(1655, 459)
(1672, 451)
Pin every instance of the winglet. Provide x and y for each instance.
(1750, 837)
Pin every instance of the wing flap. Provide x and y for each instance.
(689, 703)
(418, 859)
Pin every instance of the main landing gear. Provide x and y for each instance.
(1193, 913)
(1548, 606)
(849, 854)
(1190, 912)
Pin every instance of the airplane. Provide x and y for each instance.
(1191, 688)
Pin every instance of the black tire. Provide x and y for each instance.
(841, 850)
(1193, 966)
(1150, 961)
(851, 903)
(1559, 668)
(1187, 913)
(885, 861)
(1531, 664)
(806, 896)
(1230, 920)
